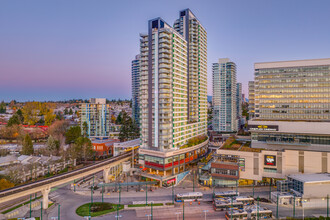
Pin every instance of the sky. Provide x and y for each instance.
(72, 49)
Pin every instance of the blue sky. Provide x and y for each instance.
(64, 49)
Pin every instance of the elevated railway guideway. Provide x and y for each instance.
(44, 186)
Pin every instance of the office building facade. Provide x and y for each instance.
(96, 114)
(173, 88)
(136, 89)
(251, 99)
(224, 96)
(292, 105)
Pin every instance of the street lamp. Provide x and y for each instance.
(87, 217)
(148, 216)
(118, 216)
(302, 204)
(205, 211)
(177, 215)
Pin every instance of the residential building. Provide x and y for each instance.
(239, 102)
(251, 99)
(103, 147)
(96, 115)
(224, 96)
(136, 89)
(173, 87)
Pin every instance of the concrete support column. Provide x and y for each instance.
(164, 172)
(45, 200)
(106, 175)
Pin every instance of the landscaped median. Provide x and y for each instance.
(144, 205)
(97, 209)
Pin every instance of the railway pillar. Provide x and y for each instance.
(45, 199)
(106, 174)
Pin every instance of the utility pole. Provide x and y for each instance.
(183, 211)
(151, 212)
(328, 206)
(277, 206)
(146, 195)
(258, 208)
(102, 193)
(193, 180)
(231, 209)
(253, 189)
(91, 195)
(236, 187)
(173, 193)
(41, 210)
(30, 205)
(270, 190)
(294, 206)
(119, 193)
(59, 214)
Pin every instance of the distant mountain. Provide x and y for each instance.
(209, 98)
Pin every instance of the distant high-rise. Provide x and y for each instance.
(173, 93)
(136, 89)
(239, 102)
(224, 96)
(96, 114)
(251, 100)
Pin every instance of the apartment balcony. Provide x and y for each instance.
(164, 46)
(166, 66)
(164, 56)
(164, 61)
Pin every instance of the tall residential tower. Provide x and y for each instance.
(173, 94)
(136, 89)
(224, 96)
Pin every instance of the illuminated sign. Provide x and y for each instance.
(241, 164)
(270, 160)
(170, 181)
(263, 127)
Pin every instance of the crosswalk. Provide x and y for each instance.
(53, 195)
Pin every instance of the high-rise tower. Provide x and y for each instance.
(136, 89)
(224, 96)
(173, 99)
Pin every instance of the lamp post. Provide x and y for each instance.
(328, 206)
(277, 206)
(253, 189)
(183, 210)
(30, 205)
(151, 212)
(294, 206)
(102, 193)
(173, 193)
(58, 213)
(193, 180)
(258, 208)
(146, 195)
(205, 211)
(41, 210)
(148, 216)
(231, 209)
(177, 215)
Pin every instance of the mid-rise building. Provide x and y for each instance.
(136, 89)
(173, 87)
(96, 115)
(251, 99)
(292, 105)
(224, 96)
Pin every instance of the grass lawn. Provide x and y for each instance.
(37, 218)
(143, 205)
(98, 208)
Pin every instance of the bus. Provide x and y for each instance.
(226, 204)
(191, 196)
(245, 200)
(225, 194)
(236, 215)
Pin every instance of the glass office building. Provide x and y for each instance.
(292, 105)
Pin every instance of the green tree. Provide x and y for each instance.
(70, 111)
(27, 148)
(3, 107)
(85, 129)
(85, 148)
(119, 118)
(53, 145)
(129, 130)
(72, 134)
(13, 120)
(66, 111)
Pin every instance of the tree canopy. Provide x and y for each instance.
(129, 130)
(27, 148)
(72, 134)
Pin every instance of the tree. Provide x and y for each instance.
(3, 107)
(66, 111)
(113, 119)
(53, 146)
(13, 120)
(30, 113)
(85, 129)
(49, 117)
(5, 184)
(70, 111)
(72, 134)
(128, 130)
(85, 147)
(58, 130)
(27, 148)
(119, 119)
(14, 174)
